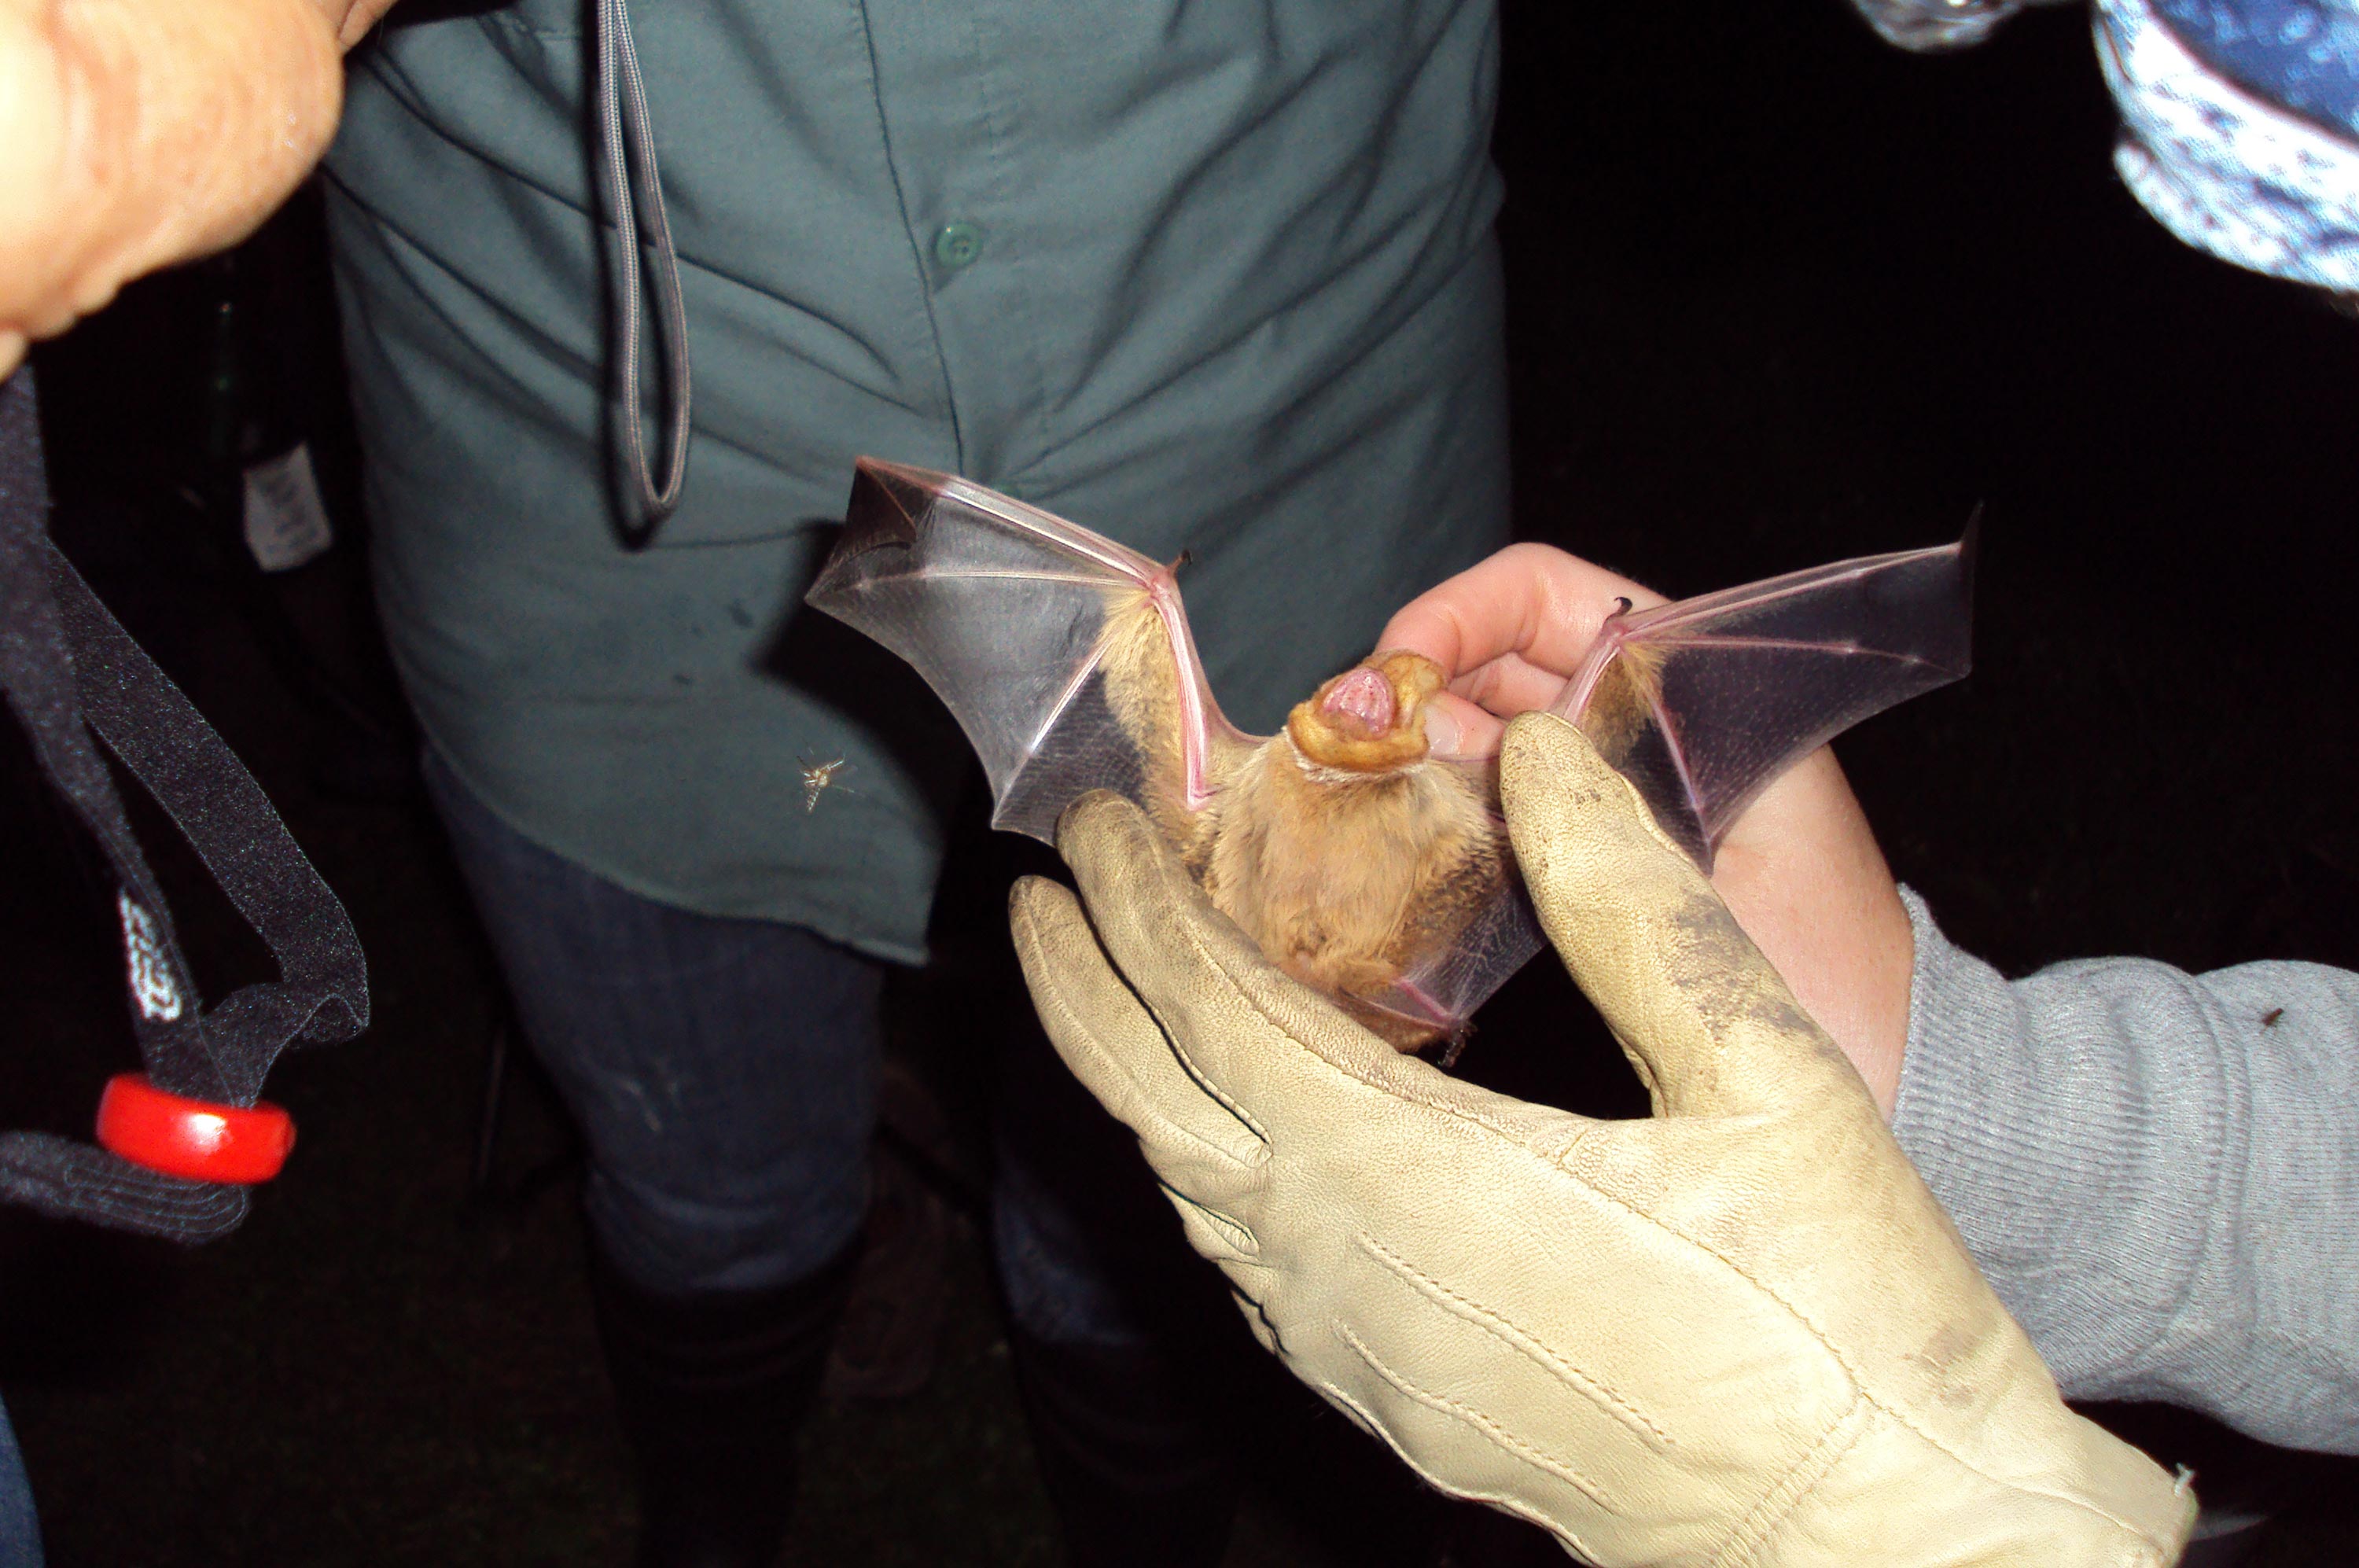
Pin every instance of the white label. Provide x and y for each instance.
(151, 970)
(285, 523)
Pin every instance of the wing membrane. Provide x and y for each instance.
(1704, 703)
(1019, 621)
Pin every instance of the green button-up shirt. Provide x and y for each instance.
(1204, 275)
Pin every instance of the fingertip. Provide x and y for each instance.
(1084, 810)
(1129, 872)
(1539, 747)
(1459, 730)
(1419, 627)
(1095, 823)
(1443, 732)
(1551, 779)
(1039, 909)
(1032, 898)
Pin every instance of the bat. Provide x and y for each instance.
(1363, 865)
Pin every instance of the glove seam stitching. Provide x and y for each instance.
(1863, 1384)
(1804, 1477)
(1505, 1503)
(1286, 1032)
(1174, 1037)
(1079, 1030)
(1491, 1429)
(1235, 1231)
(1517, 1339)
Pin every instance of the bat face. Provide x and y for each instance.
(1353, 858)
(1362, 865)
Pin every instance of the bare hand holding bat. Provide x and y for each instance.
(1800, 868)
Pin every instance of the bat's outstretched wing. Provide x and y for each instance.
(1064, 656)
(1703, 703)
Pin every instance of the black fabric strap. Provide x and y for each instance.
(69, 674)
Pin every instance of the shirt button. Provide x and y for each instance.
(957, 246)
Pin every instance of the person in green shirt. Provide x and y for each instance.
(1215, 277)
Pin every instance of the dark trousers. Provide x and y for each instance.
(724, 1074)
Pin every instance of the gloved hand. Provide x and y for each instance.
(1741, 1332)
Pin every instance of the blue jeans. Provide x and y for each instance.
(724, 1074)
(20, 1529)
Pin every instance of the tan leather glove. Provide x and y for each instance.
(1741, 1332)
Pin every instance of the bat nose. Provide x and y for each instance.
(1363, 697)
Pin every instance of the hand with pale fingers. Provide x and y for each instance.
(1740, 1331)
(1800, 869)
(134, 134)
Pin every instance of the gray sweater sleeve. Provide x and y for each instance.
(2159, 1172)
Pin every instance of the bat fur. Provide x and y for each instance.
(1338, 844)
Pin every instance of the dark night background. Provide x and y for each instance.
(1779, 295)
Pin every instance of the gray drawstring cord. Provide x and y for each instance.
(623, 101)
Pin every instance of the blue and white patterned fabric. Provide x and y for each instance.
(2239, 117)
(2241, 127)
